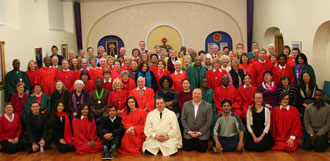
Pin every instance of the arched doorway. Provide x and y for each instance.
(220, 38)
(274, 36)
(165, 35)
(321, 53)
(111, 44)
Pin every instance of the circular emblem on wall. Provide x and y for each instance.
(217, 37)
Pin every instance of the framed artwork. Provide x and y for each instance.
(296, 44)
(209, 46)
(222, 45)
(2, 66)
(38, 55)
(112, 48)
(64, 49)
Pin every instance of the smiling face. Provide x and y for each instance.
(306, 77)
(197, 95)
(84, 111)
(225, 80)
(258, 99)
(35, 108)
(60, 107)
(131, 104)
(186, 85)
(160, 104)
(166, 84)
(112, 112)
(20, 89)
(285, 101)
(268, 77)
(59, 86)
(226, 108)
(9, 109)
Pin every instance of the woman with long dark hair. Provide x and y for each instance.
(143, 71)
(306, 91)
(301, 66)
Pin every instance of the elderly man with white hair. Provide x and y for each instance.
(144, 95)
(77, 97)
(98, 72)
(178, 76)
(55, 63)
(271, 49)
(122, 52)
(214, 51)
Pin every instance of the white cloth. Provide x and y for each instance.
(167, 126)
(249, 120)
(12, 117)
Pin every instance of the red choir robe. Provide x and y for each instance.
(32, 76)
(46, 77)
(84, 131)
(231, 93)
(285, 123)
(246, 68)
(115, 74)
(10, 130)
(98, 73)
(90, 85)
(247, 94)
(159, 74)
(214, 55)
(279, 72)
(107, 84)
(132, 144)
(67, 77)
(153, 68)
(90, 72)
(258, 69)
(18, 103)
(129, 85)
(177, 80)
(123, 67)
(214, 77)
(145, 98)
(118, 98)
(290, 62)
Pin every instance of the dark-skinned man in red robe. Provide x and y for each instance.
(46, 77)
(67, 76)
(226, 91)
(259, 67)
(144, 95)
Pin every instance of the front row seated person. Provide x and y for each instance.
(228, 132)
(317, 123)
(162, 131)
(111, 131)
(196, 120)
(36, 126)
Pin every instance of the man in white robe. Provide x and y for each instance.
(162, 131)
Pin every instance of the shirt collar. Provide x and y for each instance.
(214, 70)
(246, 86)
(114, 118)
(287, 107)
(282, 67)
(12, 117)
(178, 72)
(197, 104)
(105, 81)
(262, 61)
(138, 88)
(82, 117)
(66, 70)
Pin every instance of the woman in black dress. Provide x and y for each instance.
(168, 94)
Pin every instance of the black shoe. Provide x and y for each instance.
(30, 150)
(110, 154)
(105, 155)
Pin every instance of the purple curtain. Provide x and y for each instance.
(249, 5)
(77, 20)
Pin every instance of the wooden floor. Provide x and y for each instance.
(54, 155)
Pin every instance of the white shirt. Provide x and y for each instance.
(216, 70)
(246, 86)
(196, 106)
(262, 61)
(282, 67)
(12, 117)
(113, 119)
(82, 117)
(178, 72)
(105, 81)
(66, 70)
(138, 88)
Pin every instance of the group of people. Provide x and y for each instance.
(165, 100)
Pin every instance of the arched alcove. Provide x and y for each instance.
(111, 44)
(219, 38)
(274, 36)
(321, 53)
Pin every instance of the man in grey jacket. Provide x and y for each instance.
(196, 120)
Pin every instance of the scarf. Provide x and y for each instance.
(74, 99)
(67, 128)
(147, 75)
(271, 87)
(299, 69)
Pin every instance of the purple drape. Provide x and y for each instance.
(249, 5)
(77, 20)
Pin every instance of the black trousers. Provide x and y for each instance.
(195, 143)
(114, 141)
(28, 144)
(8, 147)
(63, 148)
(320, 144)
(265, 144)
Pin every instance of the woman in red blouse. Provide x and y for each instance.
(31, 71)
(118, 96)
(18, 99)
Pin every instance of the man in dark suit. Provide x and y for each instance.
(196, 120)
(111, 131)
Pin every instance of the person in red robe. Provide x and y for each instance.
(18, 99)
(285, 125)
(178, 76)
(215, 74)
(67, 76)
(107, 81)
(144, 95)
(84, 66)
(98, 72)
(259, 67)
(133, 120)
(290, 60)
(128, 83)
(31, 71)
(282, 69)
(84, 129)
(116, 72)
(225, 91)
(247, 92)
(118, 97)
(88, 82)
(160, 72)
(46, 77)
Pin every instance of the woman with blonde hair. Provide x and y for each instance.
(225, 63)
(31, 71)
(118, 96)
(186, 62)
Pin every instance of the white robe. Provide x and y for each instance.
(167, 126)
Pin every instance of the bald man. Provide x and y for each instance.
(98, 73)
(84, 66)
(144, 95)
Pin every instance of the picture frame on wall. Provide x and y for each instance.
(38, 55)
(64, 50)
(296, 44)
(209, 46)
(2, 66)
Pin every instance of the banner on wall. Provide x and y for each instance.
(112, 45)
(220, 38)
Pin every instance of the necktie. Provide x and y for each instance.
(161, 115)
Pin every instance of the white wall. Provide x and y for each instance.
(27, 27)
(298, 20)
(132, 20)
